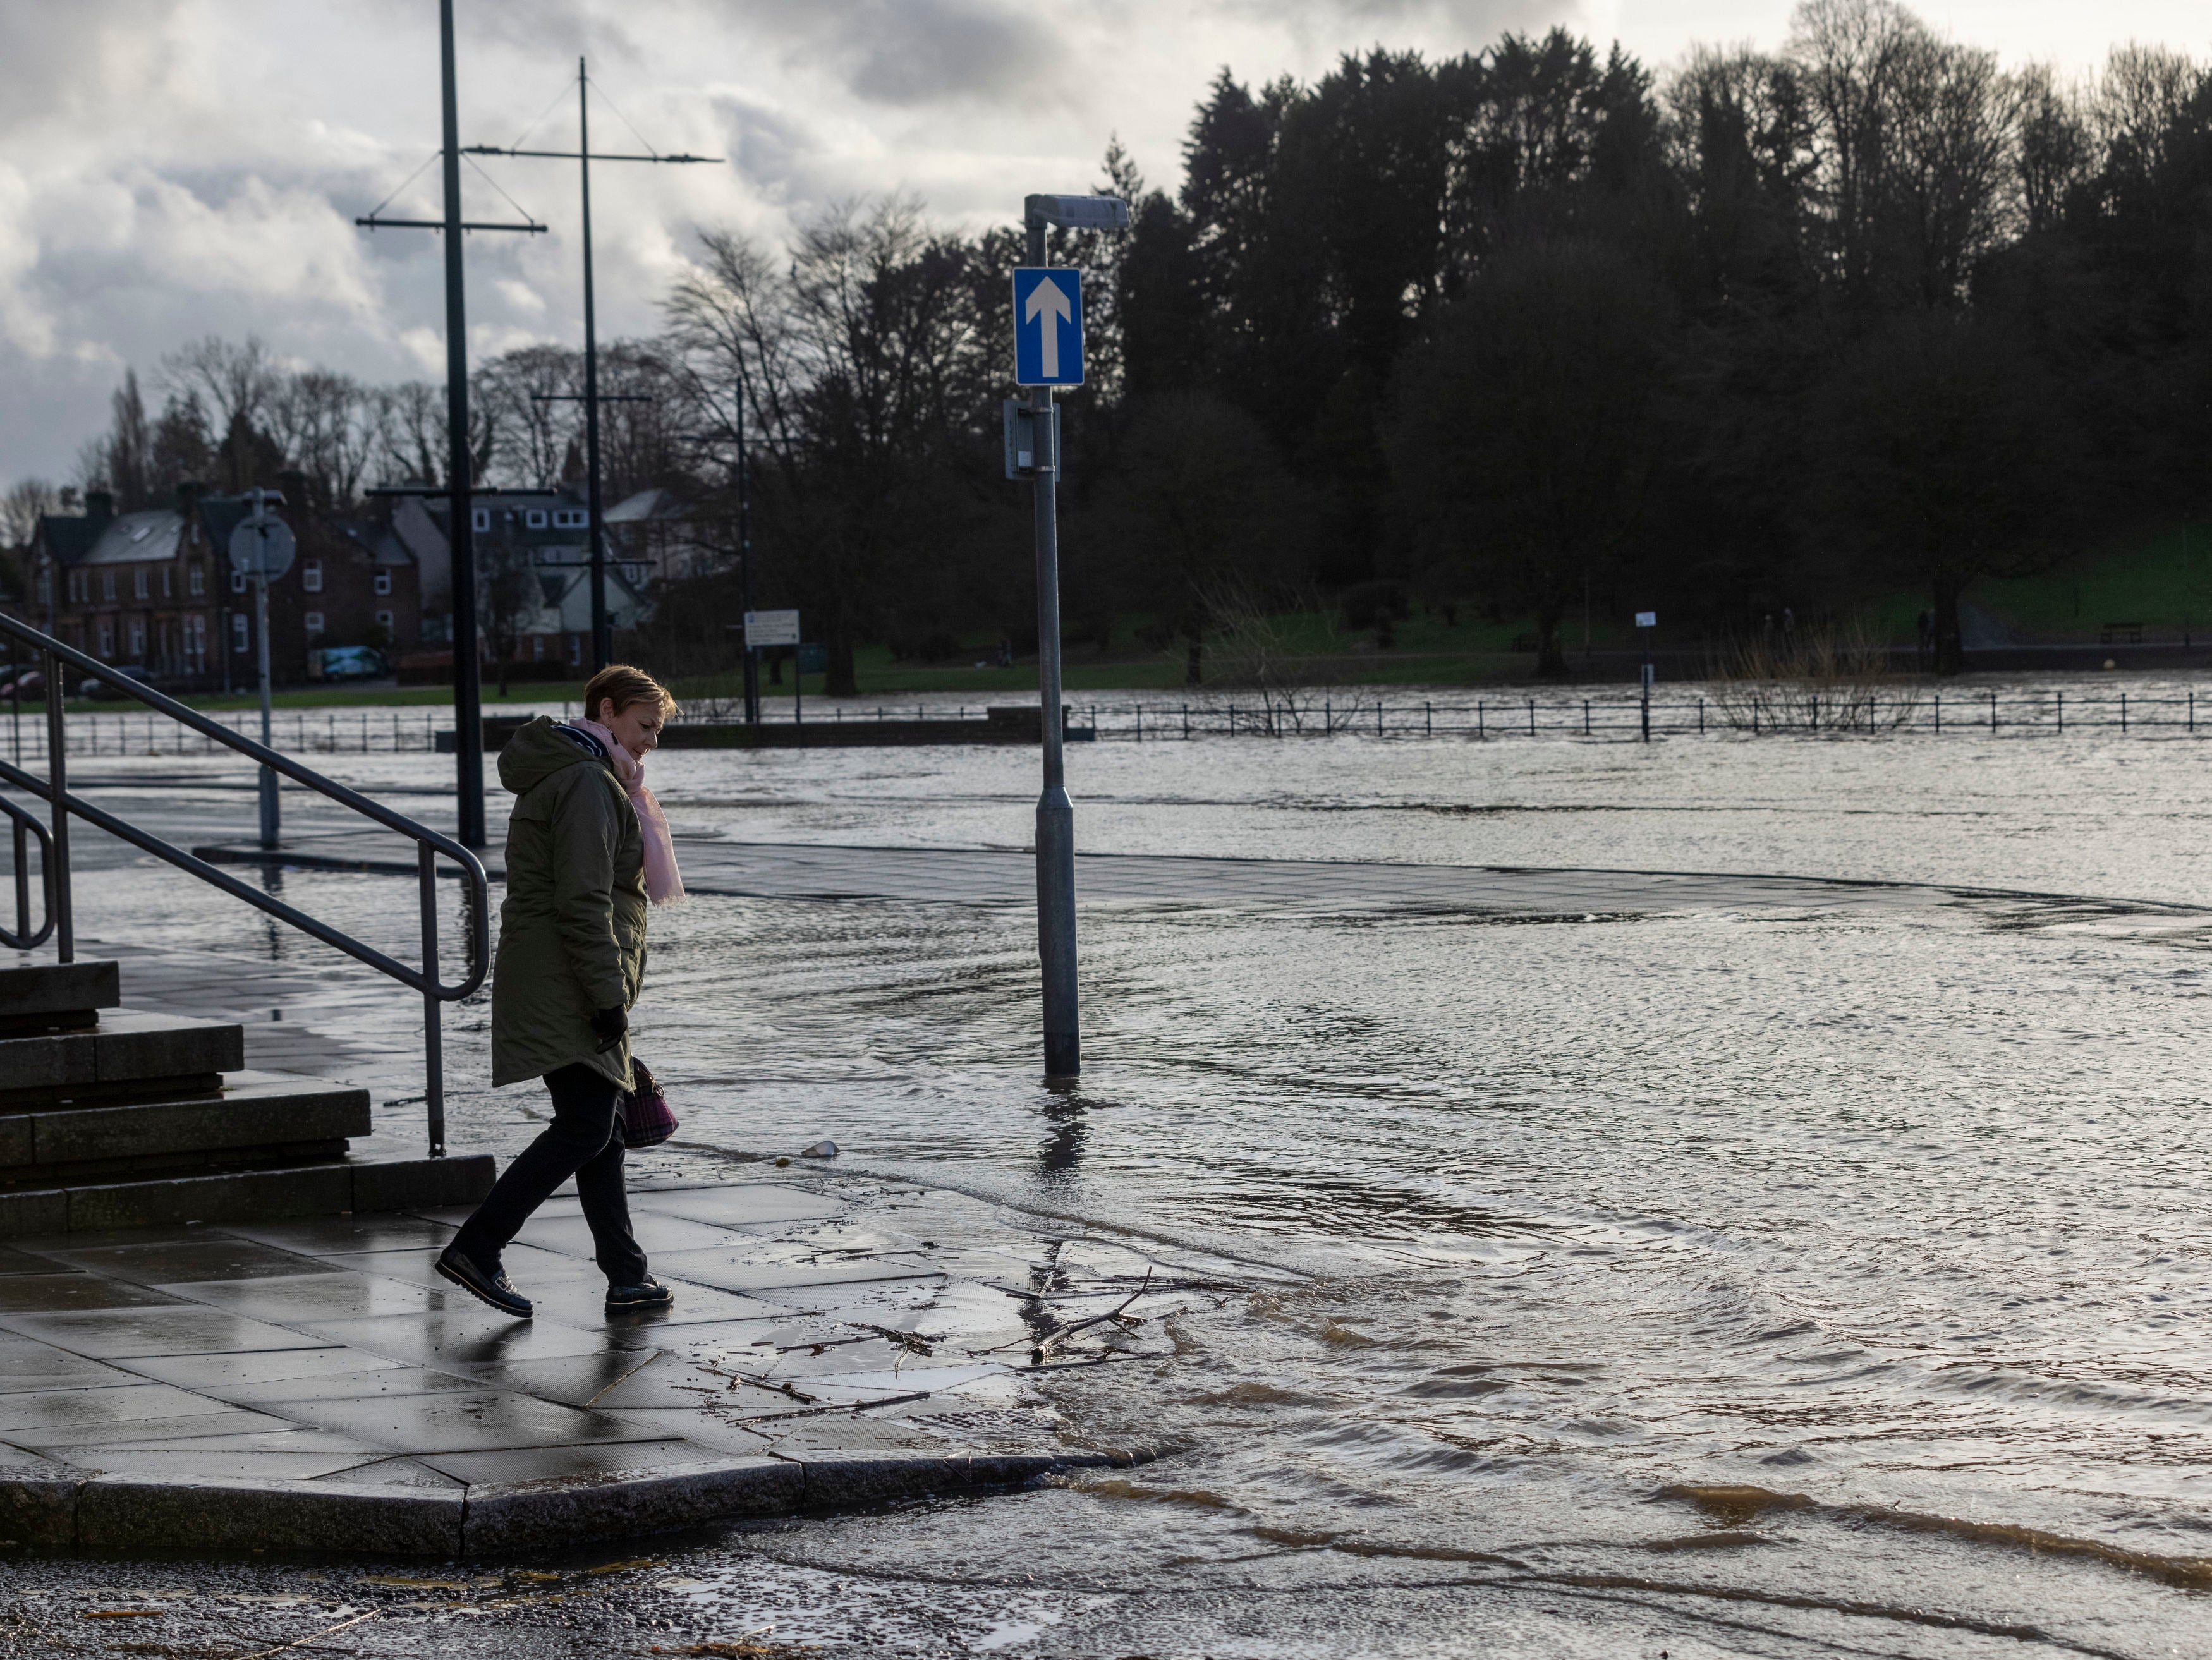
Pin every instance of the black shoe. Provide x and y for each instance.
(491, 1288)
(649, 1293)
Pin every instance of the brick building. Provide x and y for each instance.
(154, 589)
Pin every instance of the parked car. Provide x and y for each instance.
(349, 663)
(99, 688)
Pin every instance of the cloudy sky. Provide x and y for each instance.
(170, 168)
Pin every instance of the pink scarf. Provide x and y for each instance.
(663, 885)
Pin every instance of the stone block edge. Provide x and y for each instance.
(49, 1506)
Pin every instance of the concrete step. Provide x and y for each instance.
(45, 996)
(256, 1117)
(127, 1056)
(378, 1175)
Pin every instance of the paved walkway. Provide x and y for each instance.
(833, 1341)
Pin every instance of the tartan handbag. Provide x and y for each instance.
(646, 1120)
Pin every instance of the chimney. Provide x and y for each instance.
(188, 509)
(98, 506)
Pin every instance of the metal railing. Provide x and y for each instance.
(25, 826)
(55, 861)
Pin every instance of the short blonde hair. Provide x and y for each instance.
(626, 686)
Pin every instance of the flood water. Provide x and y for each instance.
(1715, 1281)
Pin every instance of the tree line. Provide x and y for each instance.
(1517, 333)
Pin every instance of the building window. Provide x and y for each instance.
(570, 518)
(576, 650)
(480, 518)
(107, 639)
(196, 581)
(384, 621)
(535, 519)
(238, 631)
(108, 585)
(138, 583)
(311, 575)
(238, 581)
(164, 581)
(315, 621)
(137, 642)
(382, 583)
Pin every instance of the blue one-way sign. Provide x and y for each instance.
(1047, 326)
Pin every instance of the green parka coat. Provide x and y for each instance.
(572, 927)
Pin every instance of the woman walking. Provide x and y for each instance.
(587, 847)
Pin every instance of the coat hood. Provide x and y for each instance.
(541, 749)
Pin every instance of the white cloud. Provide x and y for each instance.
(170, 167)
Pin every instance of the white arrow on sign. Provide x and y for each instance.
(1050, 300)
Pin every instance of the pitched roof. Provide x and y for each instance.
(132, 538)
(68, 536)
(384, 544)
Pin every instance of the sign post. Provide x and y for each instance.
(262, 547)
(777, 628)
(1645, 621)
(1048, 353)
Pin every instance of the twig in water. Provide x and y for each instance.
(1114, 1313)
(312, 1636)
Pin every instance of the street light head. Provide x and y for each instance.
(1077, 212)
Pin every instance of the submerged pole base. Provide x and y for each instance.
(1063, 1054)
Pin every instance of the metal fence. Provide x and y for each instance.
(1748, 712)
(1716, 712)
(295, 731)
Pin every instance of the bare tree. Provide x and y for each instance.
(235, 380)
(639, 441)
(1953, 176)
(510, 594)
(1915, 145)
(411, 431)
(89, 470)
(531, 388)
(1947, 457)
(2055, 147)
(1204, 517)
(25, 502)
(326, 424)
(2137, 105)
(858, 367)
(1524, 439)
(411, 427)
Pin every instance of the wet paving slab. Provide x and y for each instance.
(831, 1345)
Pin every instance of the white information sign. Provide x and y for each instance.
(1647, 619)
(771, 628)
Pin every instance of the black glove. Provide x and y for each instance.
(609, 1025)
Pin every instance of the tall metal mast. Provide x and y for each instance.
(584, 155)
(468, 718)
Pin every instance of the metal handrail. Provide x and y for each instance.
(429, 845)
(26, 825)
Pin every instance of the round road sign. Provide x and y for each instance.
(262, 548)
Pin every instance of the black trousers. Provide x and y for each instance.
(584, 1140)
